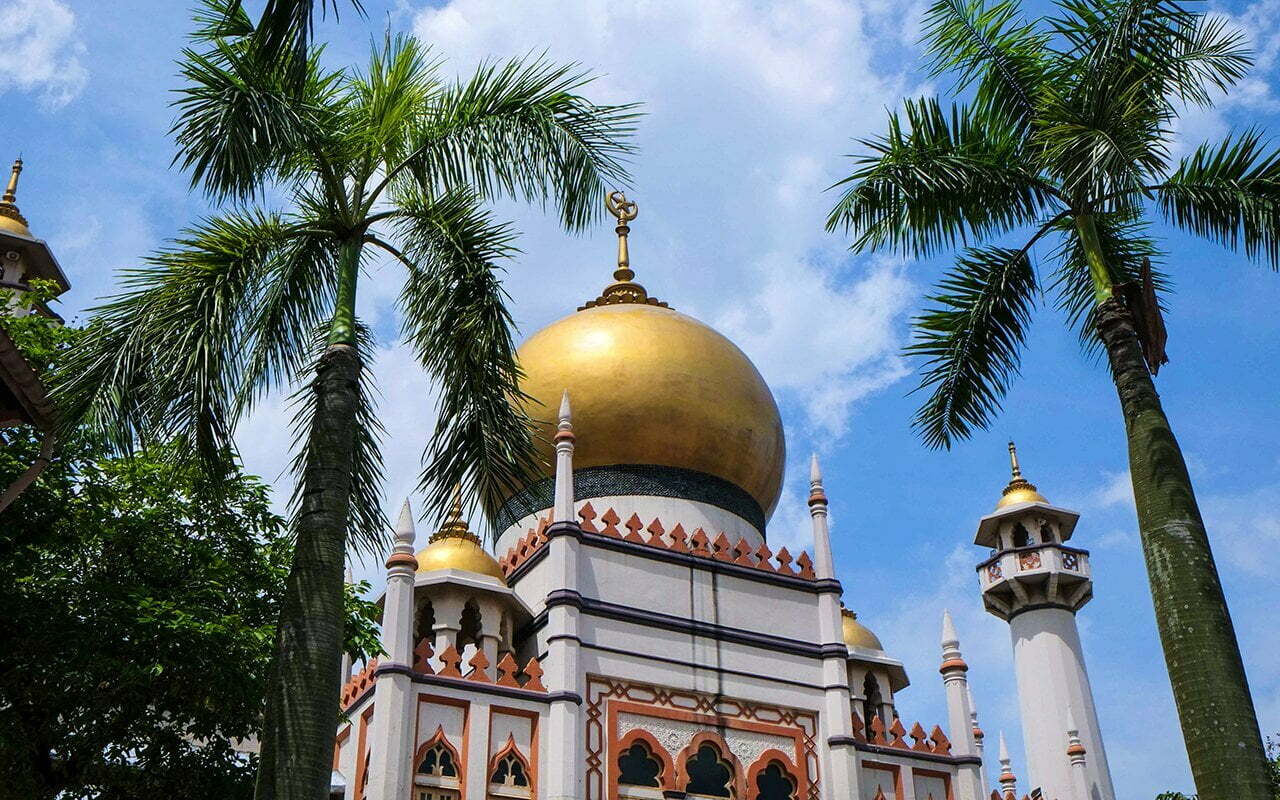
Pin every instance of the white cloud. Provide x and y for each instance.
(40, 51)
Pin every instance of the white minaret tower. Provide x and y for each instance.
(1036, 583)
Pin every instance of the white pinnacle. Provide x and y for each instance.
(564, 407)
(405, 533)
(815, 472)
(949, 638)
(1004, 753)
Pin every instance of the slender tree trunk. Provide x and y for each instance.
(302, 699)
(1219, 725)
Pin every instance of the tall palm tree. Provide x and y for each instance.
(1062, 138)
(393, 160)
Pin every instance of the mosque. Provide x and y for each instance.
(634, 636)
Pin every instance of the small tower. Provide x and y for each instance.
(959, 712)
(23, 257)
(1036, 582)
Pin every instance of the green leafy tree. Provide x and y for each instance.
(1062, 138)
(139, 610)
(393, 160)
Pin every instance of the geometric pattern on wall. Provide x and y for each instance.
(615, 707)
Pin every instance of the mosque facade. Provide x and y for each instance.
(633, 634)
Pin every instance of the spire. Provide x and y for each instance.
(405, 532)
(402, 552)
(454, 526)
(564, 439)
(8, 203)
(952, 662)
(1008, 781)
(1019, 490)
(624, 289)
(824, 562)
(949, 638)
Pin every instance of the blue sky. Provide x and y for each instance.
(750, 108)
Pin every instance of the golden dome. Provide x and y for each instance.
(11, 220)
(1019, 490)
(856, 634)
(650, 385)
(456, 547)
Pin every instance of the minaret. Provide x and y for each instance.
(23, 257)
(564, 678)
(1037, 583)
(842, 768)
(1008, 781)
(978, 736)
(1076, 752)
(959, 712)
(391, 744)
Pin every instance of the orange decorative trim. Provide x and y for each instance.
(362, 754)
(770, 756)
(607, 698)
(953, 664)
(358, 684)
(465, 705)
(338, 742)
(1076, 750)
(700, 543)
(439, 737)
(737, 777)
(945, 777)
(530, 763)
(407, 559)
(510, 748)
(898, 790)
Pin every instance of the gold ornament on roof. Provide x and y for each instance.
(11, 218)
(1019, 490)
(855, 634)
(454, 526)
(624, 289)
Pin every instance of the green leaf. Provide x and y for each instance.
(971, 339)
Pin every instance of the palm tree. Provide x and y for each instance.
(394, 160)
(1063, 137)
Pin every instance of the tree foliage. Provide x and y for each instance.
(139, 603)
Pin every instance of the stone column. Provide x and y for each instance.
(563, 672)
(391, 741)
(842, 771)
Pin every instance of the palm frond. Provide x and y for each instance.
(971, 339)
(239, 123)
(367, 525)
(390, 96)
(286, 27)
(990, 46)
(220, 19)
(167, 356)
(1125, 242)
(938, 179)
(1229, 193)
(455, 315)
(520, 130)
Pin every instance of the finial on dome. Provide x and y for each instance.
(404, 526)
(624, 289)
(454, 525)
(1019, 490)
(8, 203)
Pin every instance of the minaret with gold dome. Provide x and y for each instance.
(1037, 583)
(23, 257)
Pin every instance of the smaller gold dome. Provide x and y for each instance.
(856, 634)
(1019, 490)
(459, 553)
(454, 546)
(11, 219)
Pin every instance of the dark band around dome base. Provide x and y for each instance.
(635, 479)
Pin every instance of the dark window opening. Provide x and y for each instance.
(639, 767)
(708, 773)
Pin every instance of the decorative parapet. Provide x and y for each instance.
(699, 544)
(935, 741)
(508, 669)
(357, 685)
(1030, 561)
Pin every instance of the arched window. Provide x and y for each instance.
(638, 766)
(1046, 532)
(872, 701)
(774, 782)
(424, 625)
(1021, 538)
(710, 774)
(438, 761)
(510, 772)
(470, 626)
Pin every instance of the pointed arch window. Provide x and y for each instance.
(873, 701)
(509, 773)
(709, 773)
(437, 770)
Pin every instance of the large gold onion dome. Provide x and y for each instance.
(651, 387)
(855, 634)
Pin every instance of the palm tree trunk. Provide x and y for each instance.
(1219, 725)
(302, 699)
